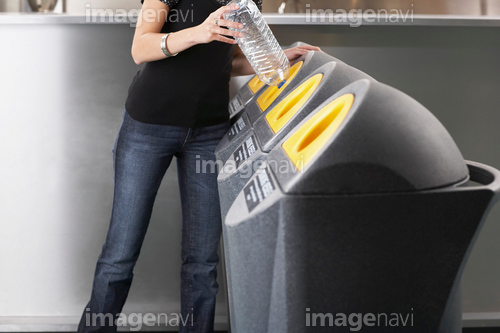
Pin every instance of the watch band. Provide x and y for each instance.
(164, 46)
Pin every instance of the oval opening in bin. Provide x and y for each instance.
(288, 107)
(255, 84)
(270, 94)
(307, 141)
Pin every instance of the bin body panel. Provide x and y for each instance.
(249, 266)
(374, 254)
(397, 253)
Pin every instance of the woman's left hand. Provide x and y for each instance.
(296, 52)
(241, 66)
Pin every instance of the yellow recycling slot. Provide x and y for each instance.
(284, 111)
(307, 141)
(271, 93)
(255, 84)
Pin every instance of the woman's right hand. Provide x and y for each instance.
(212, 28)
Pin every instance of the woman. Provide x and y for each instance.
(176, 106)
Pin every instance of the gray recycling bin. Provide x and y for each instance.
(373, 220)
(269, 129)
(264, 99)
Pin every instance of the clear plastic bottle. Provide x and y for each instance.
(259, 44)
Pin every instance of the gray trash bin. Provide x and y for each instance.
(374, 217)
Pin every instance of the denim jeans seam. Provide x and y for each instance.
(187, 205)
(115, 145)
(190, 238)
(115, 269)
(188, 136)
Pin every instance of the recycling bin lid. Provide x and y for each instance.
(266, 98)
(367, 138)
(320, 85)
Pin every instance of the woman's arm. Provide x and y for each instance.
(241, 66)
(147, 38)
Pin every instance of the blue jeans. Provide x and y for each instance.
(142, 154)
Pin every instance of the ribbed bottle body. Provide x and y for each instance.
(259, 44)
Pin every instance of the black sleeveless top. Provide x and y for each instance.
(190, 89)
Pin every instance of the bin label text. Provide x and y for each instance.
(236, 128)
(258, 189)
(244, 151)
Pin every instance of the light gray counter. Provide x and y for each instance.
(275, 19)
